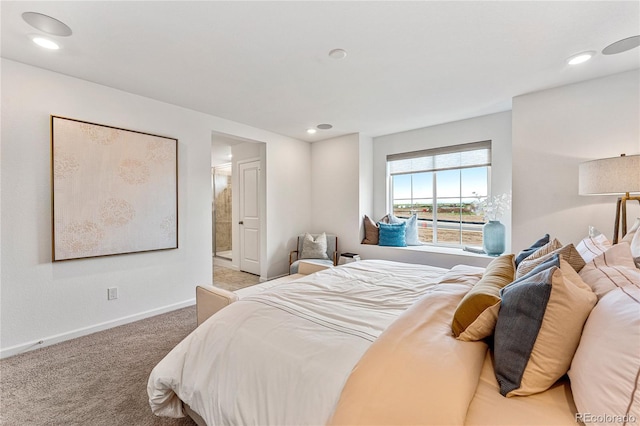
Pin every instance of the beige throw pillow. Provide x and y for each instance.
(477, 312)
(371, 231)
(539, 328)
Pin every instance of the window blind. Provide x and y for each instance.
(476, 154)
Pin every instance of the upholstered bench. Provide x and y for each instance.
(210, 300)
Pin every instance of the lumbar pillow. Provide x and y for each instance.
(474, 319)
(411, 231)
(539, 327)
(314, 247)
(613, 268)
(568, 253)
(371, 231)
(392, 234)
(529, 251)
(604, 370)
(593, 246)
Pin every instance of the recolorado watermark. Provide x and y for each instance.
(588, 418)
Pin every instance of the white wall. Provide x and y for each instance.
(553, 132)
(288, 200)
(366, 179)
(335, 186)
(41, 300)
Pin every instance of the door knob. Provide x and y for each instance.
(241, 223)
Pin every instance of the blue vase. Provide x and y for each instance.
(493, 238)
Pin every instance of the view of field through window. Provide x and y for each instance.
(445, 203)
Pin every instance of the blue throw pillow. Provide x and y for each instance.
(411, 231)
(529, 251)
(392, 234)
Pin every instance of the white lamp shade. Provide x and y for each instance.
(617, 175)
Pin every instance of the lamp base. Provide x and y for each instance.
(621, 216)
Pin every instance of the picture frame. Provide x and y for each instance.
(113, 190)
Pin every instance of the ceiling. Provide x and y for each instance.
(266, 64)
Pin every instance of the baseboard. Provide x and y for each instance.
(62, 337)
(217, 261)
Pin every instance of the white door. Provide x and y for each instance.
(249, 224)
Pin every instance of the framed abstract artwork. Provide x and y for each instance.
(114, 191)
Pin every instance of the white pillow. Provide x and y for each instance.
(411, 231)
(314, 247)
(604, 370)
(636, 226)
(593, 246)
(612, 269)
(633, 238)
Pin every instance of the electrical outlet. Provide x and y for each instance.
(112, 293)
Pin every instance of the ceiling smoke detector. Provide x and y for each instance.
(324, 126)
(338, 54)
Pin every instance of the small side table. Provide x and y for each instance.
(348, 258)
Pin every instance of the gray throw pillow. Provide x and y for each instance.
(314, 247)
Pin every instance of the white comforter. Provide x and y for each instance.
(283, 357)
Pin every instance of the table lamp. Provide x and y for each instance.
(612, 176)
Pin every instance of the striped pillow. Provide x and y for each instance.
(612, 269)
(530, 250)
(568, 253)
(591, 247)
(605, 369)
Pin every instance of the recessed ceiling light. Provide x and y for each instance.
(622, 45)
(46, 43)
(311, 131)
(580, 58)
(338, 54)
(46, 24)
(324, 126)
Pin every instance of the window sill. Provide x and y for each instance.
(445, 257)
(456, 251)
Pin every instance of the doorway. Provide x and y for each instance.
(238, 176)
(222, 210)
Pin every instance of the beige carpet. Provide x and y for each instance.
(95, 380)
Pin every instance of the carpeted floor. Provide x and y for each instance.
(95, 380)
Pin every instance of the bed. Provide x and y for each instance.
(365, 343)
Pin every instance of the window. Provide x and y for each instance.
(442, 186)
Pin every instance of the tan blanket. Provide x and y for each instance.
(416, 372)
